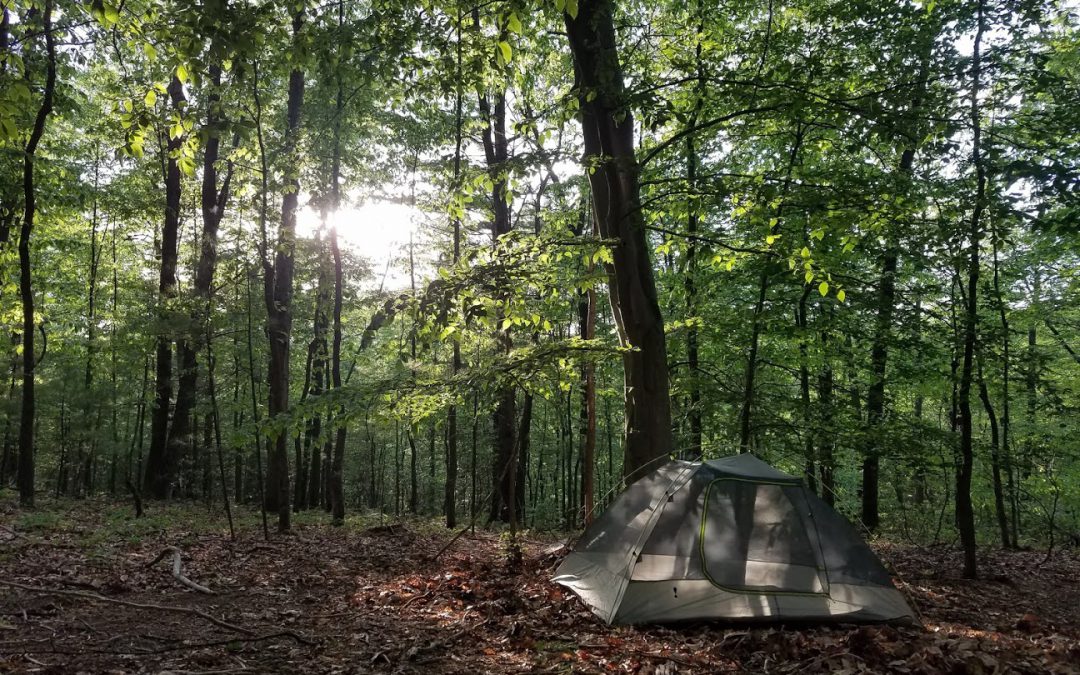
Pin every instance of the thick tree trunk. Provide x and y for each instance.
(278, 294)
(504, 467)
(608, 130)
(26, 291)
(161, 463)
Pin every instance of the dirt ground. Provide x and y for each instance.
(368, 598)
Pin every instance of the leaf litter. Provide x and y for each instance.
(371, 600)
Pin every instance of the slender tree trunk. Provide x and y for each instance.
(337, 488)
(693, 413)
(875, 393)
(213, 201)
(825, 432)
(995, 457)
(319, 362)
(588, 402)
(965, 514)
(450, 491)
(767, 272)
(337, 463)
(608, 130)
(26, 291)
(88, 432)
(801, 323)
(1005, 461)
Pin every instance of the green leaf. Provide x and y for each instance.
(7, 127)
(150, 99)
(823, 288)
(506, 51)
(149, 50)
(809, 276)
(572, 8)
(111, 12)
(841, 295)
(182, 73)
(805, 252)
(513, 23)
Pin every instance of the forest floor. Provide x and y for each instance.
(368, 598)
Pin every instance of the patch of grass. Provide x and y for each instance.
(42, 522)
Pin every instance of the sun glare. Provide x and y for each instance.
(376, 230)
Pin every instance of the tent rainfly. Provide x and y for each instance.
(732, 539)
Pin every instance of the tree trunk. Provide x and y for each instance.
(161, 463)
(337, 487)
(693, 413)
(825, 432)
(769, 269)
(801, 323)
(995, 458)
(213, 202)
(965, 514)
(608, 130)
(26, 292)
(496, 151)
(588, 403)
(450, 488)
(278, 295)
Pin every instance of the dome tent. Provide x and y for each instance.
(732, 538)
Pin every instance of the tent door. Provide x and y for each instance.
(757, 538)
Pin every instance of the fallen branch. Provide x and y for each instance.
(137, 605)
(177, 574)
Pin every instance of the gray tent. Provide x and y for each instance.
(731, 538)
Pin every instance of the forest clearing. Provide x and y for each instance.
(650, 336)
(369, 598)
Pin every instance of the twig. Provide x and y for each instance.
(137, 605)
(177, 574)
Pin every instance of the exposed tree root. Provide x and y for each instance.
(177, 574)
(137, 605)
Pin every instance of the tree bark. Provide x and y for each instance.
(769, 269)
(278, 293)
(995, 458)
(608, 129)
(26, 291)
(213, 201)
(450, 487)
(965, 514)
(161, 464)
(496, 152)
(337, 465)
